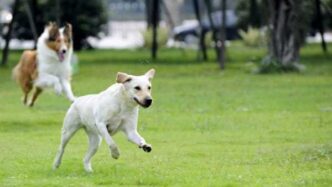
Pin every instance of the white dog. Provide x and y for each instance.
(104, 114)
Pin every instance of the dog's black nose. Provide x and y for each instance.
(147, 102)
(64, 51)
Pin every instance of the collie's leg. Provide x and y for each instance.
(48, 80)
(26, 88)
(35, 95)
(66, 87)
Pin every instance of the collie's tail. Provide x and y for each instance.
(16, 71)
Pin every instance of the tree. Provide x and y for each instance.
(251, 13)
(287, 33)
(87, 18)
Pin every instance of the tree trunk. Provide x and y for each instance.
(32, 24)
(208, 5)
(254, 15)
(222, 47)
(155, 22)
(148, 12)
(8, 35)
(286, 34)
(319, 20)
(202, 54)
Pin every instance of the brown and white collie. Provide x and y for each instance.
(48, 66)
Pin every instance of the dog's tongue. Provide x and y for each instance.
(61, 56)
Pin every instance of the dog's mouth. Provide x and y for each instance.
(137, 101)
(61, 56)
(141, 104)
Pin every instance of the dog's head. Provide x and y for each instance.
(138, 88)
(59, 39)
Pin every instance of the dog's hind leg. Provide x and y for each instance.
(26, 88)
(70, 126)
(94, 142)
(34, 96)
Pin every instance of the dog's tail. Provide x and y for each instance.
(16, 71)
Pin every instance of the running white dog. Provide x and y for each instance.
(102, 115)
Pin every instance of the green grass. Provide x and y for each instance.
(207, 127)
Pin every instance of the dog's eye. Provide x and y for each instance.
(149, 87)
(137, 88)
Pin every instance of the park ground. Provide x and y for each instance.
(207, 127)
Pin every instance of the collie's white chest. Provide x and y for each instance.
(59, 69)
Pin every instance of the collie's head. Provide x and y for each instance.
(59, 39)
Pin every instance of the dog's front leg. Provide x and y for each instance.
(109, 140)
(47, 80)
(131, 131)
(67, 89)
(139, 140)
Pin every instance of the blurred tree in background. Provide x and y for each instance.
(289, 23)
(251, 13)
(328, 8)
(87, 17)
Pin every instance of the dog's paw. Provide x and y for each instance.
(146, 147)
(30, 104)
(58, 89)
(24, 101)
(56, 165)
(72, 99)
(88, 168)
(115, 152)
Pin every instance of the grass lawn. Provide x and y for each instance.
(207, 127)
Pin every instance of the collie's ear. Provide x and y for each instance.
(68, 30)
(122, 77)
(53, 31)
(150, 74)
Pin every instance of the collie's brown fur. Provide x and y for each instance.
(25, 72)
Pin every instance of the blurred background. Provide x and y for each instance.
(196, 24)
(215, 121)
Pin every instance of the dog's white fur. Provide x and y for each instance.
(104, 114)
(52, 72)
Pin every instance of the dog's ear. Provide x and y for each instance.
(122, 77)
(53, 31)
(68, 31)
(150, 74)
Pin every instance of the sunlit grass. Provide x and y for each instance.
(207, 127)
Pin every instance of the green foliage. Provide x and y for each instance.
(207, 127)
(272, 66)
(209, 39)
(255, 16)
(253, 37)
(303, 14)
(162, 37)
(87, 17)
(327, 12)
